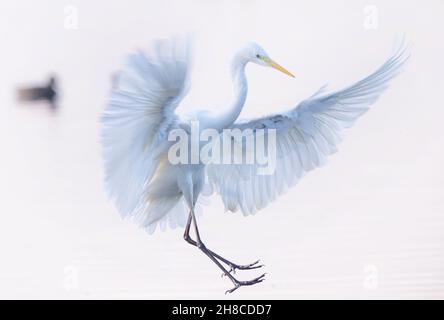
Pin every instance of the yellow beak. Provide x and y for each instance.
(276, 66)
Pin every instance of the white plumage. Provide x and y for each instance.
(141, 113)
(306, 135)
(136, 123)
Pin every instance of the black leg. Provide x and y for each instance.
(213, 256)
(233, 266)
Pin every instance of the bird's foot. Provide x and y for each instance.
(238, 284)
(251, 266)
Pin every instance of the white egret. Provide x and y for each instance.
(140, 114)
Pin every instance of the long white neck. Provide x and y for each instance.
(240, 93)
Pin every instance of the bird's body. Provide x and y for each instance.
(140, 116)
(47, 93)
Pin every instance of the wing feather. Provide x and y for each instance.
(137, 118)
(306, 135)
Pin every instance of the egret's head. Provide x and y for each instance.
(256, 54)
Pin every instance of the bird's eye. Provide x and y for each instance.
(258, 56)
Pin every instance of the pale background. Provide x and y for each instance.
(368, 225)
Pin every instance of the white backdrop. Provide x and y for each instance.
(370, 224)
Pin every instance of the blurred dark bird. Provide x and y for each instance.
(48, 93)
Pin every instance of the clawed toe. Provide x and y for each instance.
(239, 284)
(251, 266)
(254, 281)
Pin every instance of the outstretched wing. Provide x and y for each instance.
(139, 115)
(305, 136)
